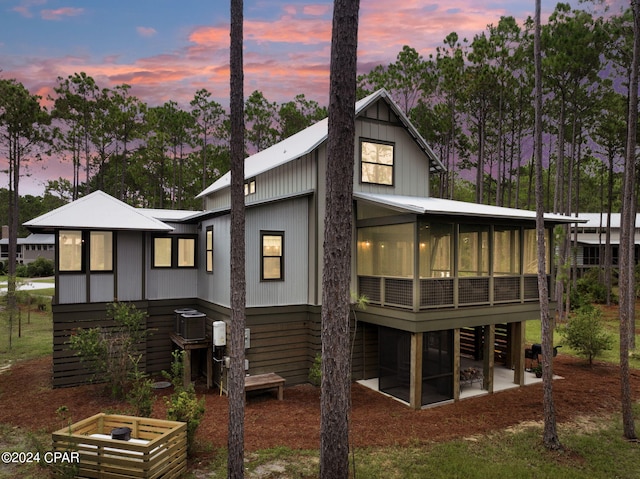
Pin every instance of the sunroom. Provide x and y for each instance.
(449, 285)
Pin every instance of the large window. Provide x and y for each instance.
(376, 162)
(506, 251)
(209, 249)
(386, 251)
(101, 246)
(473, 250)
(436, 240)
(186, 252)
(73, 246)
(272, 254)
(70, 250)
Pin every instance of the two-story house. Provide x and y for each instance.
(447, 281)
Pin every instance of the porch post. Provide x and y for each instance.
(415, 387)
(518, 340)
(489, 356)
(456, 364)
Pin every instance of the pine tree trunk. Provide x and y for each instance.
(550, 434)
(336, 276)
(238, 282)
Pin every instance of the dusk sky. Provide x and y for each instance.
(167, 50)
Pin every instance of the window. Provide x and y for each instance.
(272, 253)
(72, 246)
(162, 252)
(250, 187)
(101, 256)
(70, 250)
(530, 250)
(376, 163)
(174, 252)
(209, 249)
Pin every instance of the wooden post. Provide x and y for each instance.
(518, 338)
(456, 364)
(415, 388)
(489, 356)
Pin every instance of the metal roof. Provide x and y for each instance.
(33, 238)
(309, 139)
(98, 211)
(439, 206)
(597, 220)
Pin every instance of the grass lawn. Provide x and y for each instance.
(611, 322)
(31, 331)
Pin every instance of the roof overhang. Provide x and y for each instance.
(439, 206)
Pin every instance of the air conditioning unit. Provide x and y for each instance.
(193, 326)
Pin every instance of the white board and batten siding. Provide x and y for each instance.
(72, 288)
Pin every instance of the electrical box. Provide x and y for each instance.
(219, 333)
(247, 338)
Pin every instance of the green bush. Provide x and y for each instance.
(315, 371)
(585, 333)
(40, 267)
(589, 289)
(113, 352)
(183, 405)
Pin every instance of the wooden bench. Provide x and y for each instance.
(264, 381)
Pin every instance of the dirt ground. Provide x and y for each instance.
(28, 401)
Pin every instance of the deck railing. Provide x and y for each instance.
(448, 292)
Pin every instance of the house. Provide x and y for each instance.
(448, 283)
(591, 240)
(28, 249)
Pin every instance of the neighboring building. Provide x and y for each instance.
(591, 240)
(447, 282)
(30, 248)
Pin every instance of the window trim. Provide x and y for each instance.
(263, 234)
(83, 265)
(90, 234)
(175, 244)
(393, 162)
(208, 252)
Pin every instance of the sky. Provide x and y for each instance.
(169, 49)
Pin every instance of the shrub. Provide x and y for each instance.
(40, 267)
(183, 405)
(113, 352)
(586, 334)
(315, 371)
(589, 289)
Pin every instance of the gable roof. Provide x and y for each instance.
(439, 206)
(310, 138)
(98, 211)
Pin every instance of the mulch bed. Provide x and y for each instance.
(28, 401)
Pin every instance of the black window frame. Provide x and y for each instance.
(175, 243)
(85, 252)
(208, 252)
(263, 234)
(392, 166)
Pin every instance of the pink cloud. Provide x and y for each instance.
(25, 6)
(316, 9)
(146, 31)
(61, 12)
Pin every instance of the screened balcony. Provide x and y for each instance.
(426, 264)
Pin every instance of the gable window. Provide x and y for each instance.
(101, 254)
(162, 252)
(272, 256)
(376, 162)
(70, 250)
(250, 187)
(209, 249)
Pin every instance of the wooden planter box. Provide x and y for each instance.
(157, 448)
